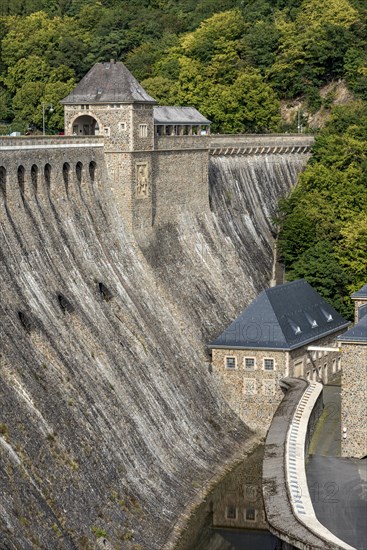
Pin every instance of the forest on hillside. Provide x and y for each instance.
(232, 59)
(237, 61)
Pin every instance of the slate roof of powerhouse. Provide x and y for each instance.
(283, 317)
(178, 115)
(358, 333)
(108, 83)
(361, 293)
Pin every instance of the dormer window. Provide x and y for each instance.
(311, 320)
(296, 328)
(327, 315)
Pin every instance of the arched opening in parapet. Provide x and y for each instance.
(34, 177)
(79, 171)
(47, 173)
(20, 174)
(85, 125)
(92, 171)
(66, 176)
(3, 182)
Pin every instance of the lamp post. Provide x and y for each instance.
(51, 109)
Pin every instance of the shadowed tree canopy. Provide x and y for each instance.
(323, 227)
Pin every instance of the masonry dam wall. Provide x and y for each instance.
(110, 421)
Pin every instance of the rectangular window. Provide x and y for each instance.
(122, 126)
(143, 130)
(231, 362)
(250, 514)
(268, 364)
(106, 131)
(231, 512)
(298, 369)
(249, 363)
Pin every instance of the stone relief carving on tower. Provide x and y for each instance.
(142, 181)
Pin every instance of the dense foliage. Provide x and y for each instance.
(233, 59)
(323, 223)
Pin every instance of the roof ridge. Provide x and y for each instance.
(275, 313)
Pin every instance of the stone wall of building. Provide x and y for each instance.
(354, 400)
(254, 393)
(321, 366)
(357, 305)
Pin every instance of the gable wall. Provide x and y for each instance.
(354, 400)
(255, 394)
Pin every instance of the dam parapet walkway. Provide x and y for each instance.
(287, 501)
(260, 144)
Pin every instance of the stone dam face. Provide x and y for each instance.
(110, 421)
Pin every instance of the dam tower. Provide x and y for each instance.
(110, 102)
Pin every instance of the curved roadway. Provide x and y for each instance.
(338, 486)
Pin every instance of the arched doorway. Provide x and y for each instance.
(85, 125)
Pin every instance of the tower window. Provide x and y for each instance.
(143, 130)
(122, 126)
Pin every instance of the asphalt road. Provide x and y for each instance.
(338, 486)
(338, 489)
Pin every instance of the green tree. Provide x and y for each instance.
(319, 266)
(313, 46)
(323, 222)
(206, 71)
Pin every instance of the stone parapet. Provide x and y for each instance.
(8, 143)
(287, 501)
(169, 143)
(257, 144)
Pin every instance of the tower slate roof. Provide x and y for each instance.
(283, 317)
(178, 115)
(361, 293)
(357, 334)
(108, 83)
